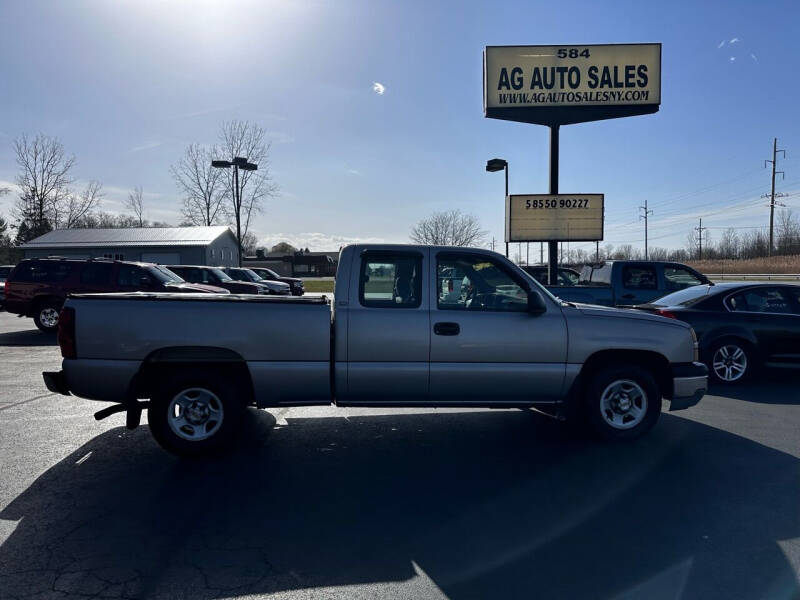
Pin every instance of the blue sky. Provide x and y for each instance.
(127, 85)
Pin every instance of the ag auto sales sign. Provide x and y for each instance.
(552, 85)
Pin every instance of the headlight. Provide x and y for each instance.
(695, 344)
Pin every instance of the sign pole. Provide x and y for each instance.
(552, 247)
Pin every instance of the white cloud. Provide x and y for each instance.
(735, 41)
(733, 58)
(753, 56)
(378, 88)
(721, 44)
(353, 172)
(147, 146)
(316, 241)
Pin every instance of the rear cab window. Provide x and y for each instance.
(390, 280)
(639, 277)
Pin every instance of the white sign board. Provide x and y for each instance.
(572, 77)
(559, 217)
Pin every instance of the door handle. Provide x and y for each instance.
(446, 328)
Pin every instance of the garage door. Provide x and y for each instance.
(166, 258)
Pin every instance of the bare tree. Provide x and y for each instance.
(246, 140)
(249, 243)
(135, 203)
(448, 228)
(44, 180)
(203, 186)
(77, 207)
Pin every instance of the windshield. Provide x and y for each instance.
(223, 276)
(251, 275)
(158, 272)
(685, 297)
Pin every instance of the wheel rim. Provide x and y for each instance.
(195, 414)
(729, 362)
(48, 317)
(623, 404)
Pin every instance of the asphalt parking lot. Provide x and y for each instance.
(322, 502)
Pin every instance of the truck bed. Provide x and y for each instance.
(285, 341)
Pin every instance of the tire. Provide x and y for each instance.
(622, 402)
(46, 316)
(730, 361)
(195, 413)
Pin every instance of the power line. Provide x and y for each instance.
(700, 232)
(774, 162)
(644, 216)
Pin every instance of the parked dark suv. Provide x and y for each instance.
(218, 277)
(38, 287)
(295, 283)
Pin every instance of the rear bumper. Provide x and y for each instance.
(689, 385)
(56, 382)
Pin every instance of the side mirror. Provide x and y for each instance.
(536, 305)
(145, 282)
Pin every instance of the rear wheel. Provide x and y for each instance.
(46, 316)
(622, 403)
(731, 361)
(195, 413)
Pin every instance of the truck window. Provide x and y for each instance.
(43, 272)
(596, 275)
(390, 280)
(639, 277)
(133, 276)
(473, 282)
(678, 278)
(97, 274)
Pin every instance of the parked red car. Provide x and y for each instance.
(38, 287)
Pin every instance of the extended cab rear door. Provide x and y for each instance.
(388, 330)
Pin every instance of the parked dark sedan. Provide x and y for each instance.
(295, 283)
(740, 326)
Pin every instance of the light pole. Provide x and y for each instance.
(494, 165)
(237, 163)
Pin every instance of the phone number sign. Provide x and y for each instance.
(559, 217)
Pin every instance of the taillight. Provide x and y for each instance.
(666, 313)
(66, 333)
(450, 286)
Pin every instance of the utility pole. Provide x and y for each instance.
(541, 253)
(597, 251)
(492, 243)
(700, 231)
(774, 162)
(644, 216)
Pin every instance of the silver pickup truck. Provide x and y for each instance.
(408, 326)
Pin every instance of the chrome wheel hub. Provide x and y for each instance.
(195, 414)
(49, 317)
(623, 404)
(729, 362)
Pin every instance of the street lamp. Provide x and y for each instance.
(237, 163)
(498, 164)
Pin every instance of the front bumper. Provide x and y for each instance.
(689, 385)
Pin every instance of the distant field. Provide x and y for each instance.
(318, 285)
(777, 264)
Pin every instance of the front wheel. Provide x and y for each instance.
(195, 414)
(622, 403)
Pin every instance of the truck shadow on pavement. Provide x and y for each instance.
(29, 337)
(498, 504)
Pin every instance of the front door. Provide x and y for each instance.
(485, 346)
(388, 329)
(639, 284)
